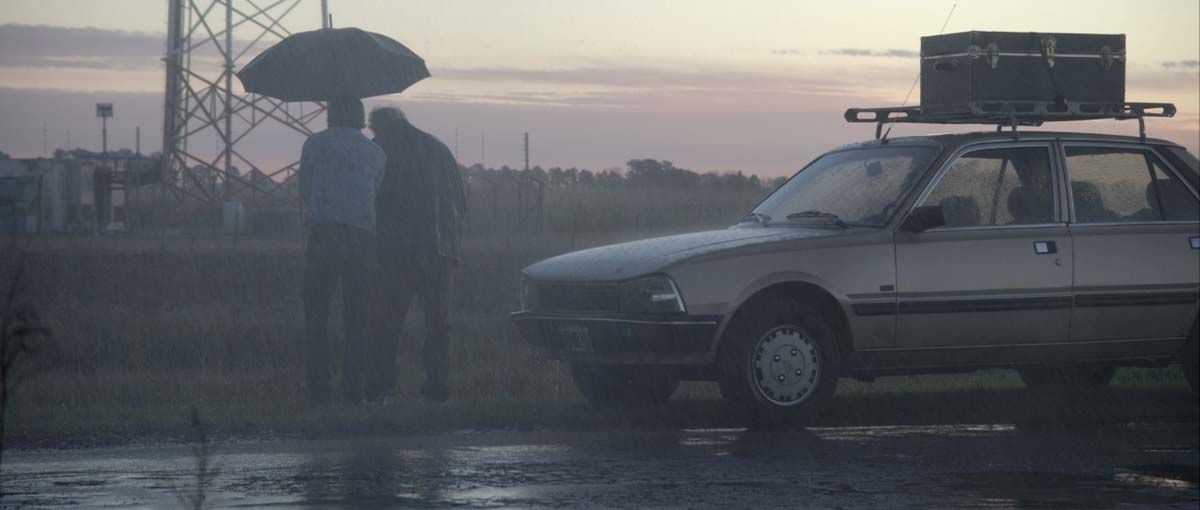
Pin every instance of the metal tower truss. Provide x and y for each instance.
(205, 121)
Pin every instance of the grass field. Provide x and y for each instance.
(145, 328)
(72, 409)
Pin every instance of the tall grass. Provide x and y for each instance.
(148, 327)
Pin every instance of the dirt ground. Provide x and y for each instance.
(1137, 465)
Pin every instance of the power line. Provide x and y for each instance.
(918, 78)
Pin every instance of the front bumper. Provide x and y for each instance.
(685, 340)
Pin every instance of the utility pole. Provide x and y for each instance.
(482, 149)
(526, 151)
(325, 21)
(138, 142)
(45, 143)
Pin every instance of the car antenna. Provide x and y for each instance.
(883, 139)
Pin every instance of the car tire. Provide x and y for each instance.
(1049, 376)
(617, 386)
(780, 358)
(1190, 360)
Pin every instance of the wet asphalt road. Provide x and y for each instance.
(965, 466)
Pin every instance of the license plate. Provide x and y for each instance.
(575, 338)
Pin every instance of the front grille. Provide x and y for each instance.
(578, 297)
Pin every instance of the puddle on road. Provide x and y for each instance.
(859, 467)
(899, 431)
(726, 437)
(1136, 485)
(1167, 476)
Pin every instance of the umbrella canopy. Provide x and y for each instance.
(329, 63)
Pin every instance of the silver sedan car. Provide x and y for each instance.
(1062, 255)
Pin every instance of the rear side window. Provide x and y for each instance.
(1186, 164)
(1008, 186)
(1115, 185)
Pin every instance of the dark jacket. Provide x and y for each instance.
(421, 205)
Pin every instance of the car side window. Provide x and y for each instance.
(1007, 186)
(1116, 185)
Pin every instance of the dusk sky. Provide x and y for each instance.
(711, 85)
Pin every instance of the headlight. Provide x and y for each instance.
(528, 295)
(653, 294)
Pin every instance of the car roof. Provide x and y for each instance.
(959, 139)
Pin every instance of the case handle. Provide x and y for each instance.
(946, 65)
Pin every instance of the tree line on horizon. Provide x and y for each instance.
(638, 174)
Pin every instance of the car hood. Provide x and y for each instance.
(622, 261)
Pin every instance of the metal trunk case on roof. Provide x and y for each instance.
(1022, 72)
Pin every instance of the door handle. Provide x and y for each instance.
(1044, 247)
(1195, 241)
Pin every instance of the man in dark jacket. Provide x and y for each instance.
(420, 210)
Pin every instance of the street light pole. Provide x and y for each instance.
(104, 111)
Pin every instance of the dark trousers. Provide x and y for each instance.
(335, 253)
(397, 280)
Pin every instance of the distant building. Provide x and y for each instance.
(72, 193)
(80, 191)
(41, 194)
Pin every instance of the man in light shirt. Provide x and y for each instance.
(339, 171)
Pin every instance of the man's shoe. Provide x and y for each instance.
(434, 394)
(377, 392)
(319, 399)
(352, 398)
(380, 399)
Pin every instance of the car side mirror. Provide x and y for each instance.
(924, 218)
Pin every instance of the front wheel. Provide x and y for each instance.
(782, 358)
(1087, 376)
(611, 386)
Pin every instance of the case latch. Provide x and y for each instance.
(991, 52)
(1048, 45)
(1108, 56)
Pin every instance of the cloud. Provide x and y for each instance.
(851, 52)
(92, 48)
(1184, 64)
(43, 46)
(863, 52)
(656, 87)
(633, 77)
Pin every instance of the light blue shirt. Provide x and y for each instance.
(340, 170)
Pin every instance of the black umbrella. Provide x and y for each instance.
(328, 63)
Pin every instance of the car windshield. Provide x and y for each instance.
(860, 187)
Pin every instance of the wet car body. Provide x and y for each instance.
(1057, 280)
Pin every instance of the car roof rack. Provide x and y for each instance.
(1012, 114)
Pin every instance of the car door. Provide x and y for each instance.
(999, 271)
(1136, 230)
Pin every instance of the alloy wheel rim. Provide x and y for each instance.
(785, 366)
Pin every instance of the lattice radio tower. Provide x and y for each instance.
(205, 119)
